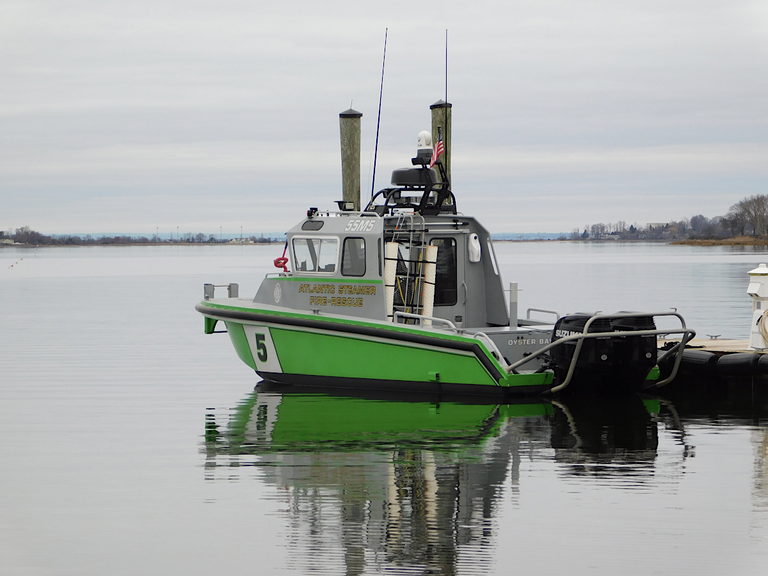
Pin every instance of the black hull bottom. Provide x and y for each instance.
(441, 388)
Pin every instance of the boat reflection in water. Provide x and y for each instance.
(415, 482)
(601, 436)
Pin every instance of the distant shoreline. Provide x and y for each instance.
(737, 241)
(122, 244)
(269, 243)
(588, 240)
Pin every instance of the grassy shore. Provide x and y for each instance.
(736, 241)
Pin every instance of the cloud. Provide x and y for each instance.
(236, 104)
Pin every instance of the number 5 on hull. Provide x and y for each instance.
(263, 350)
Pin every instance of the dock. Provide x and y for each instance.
(714, 356)
(720, 346)
(711, 355)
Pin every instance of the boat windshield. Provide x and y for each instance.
(353, 257)
(315, 254)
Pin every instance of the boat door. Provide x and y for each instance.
(450, 288)
(468, 289)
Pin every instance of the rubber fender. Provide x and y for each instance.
(762, 364)
(738, 364)
(698, 362)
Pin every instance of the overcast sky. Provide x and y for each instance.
(134, 116)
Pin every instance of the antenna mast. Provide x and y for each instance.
(446, 64)
(378, 120)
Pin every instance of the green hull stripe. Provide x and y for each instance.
(212, 308)
(240, 342)
(210, 324)
(536, 379)
(329, 355)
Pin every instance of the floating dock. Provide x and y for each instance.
(715, 356)
(719, 346)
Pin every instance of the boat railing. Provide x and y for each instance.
(686, 334)
(346, 214)
(427, 319)
(529, 321)
(489, 343)
(209, 290)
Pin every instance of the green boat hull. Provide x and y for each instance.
(292, 348)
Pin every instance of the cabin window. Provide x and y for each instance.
(353, 257)
(312, 225)
(315, 254)
(446, 287)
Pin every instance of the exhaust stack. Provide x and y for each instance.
(349, 124)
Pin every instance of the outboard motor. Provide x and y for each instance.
(605, 363)
(635, 353)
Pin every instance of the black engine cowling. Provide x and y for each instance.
(610, 362)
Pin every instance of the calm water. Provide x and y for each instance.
(135, 444)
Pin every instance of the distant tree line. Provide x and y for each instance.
(748, 217)
(25, 235)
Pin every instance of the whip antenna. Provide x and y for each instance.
(446, 64)
(378, 120)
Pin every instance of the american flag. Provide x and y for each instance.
(439, 149)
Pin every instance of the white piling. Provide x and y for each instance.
(390, 270)
(430, 270)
